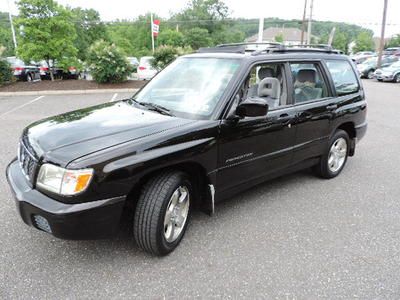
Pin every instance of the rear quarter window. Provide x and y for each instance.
(343, 76)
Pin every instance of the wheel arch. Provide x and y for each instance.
(197, 175)
(350, 128)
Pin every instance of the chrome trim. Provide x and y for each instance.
(212, 193)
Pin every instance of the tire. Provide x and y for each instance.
(396, 78)
(153, 231)
(327, 168)
(370, 74)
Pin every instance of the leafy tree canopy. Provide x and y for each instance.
(364, 42)
(394, 41)
(89, 28)
(47, 31)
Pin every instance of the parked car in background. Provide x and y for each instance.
(390, 73)
(23, 71)
(58, 72)
(368, 67)
(145, 71)
(358, 59)
(133, 61)
(392, 51)
(363, 53)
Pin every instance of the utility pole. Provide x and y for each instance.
(12, 25)
(152, 34)
(382, 42)
(303, 24)
(331, 36)
(309, 23)
(260, 29)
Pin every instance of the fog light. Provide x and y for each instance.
(42, 223)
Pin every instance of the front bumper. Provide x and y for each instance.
(89, 220)
(384, 77)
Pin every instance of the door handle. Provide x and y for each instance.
(284, 117)
(331, 106)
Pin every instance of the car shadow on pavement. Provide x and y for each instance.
(201, 222)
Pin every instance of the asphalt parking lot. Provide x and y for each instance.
(296, 237)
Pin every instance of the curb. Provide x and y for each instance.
(67, 92)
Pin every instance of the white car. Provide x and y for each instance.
(145, 71)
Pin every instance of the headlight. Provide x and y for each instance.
(63, 181)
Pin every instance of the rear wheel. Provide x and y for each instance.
(335, 158)
(397, 78)
(162, 212)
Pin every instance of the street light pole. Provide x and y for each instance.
(309, 23)
(303, 24)
(12, 25)
(260, 29)
(152, 33)
(382, 41)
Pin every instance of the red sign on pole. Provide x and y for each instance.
(156, 27)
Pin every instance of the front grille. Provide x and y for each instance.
(28, 162)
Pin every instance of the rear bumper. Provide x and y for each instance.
(89, 220)
(361, 130)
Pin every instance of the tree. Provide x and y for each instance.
(170, 37)
(364, 42)
(197, 37)
(89, 28)
(394, 41)
(207, 14)
(279, 38)
(5, 35)
(107, 63)
(164, 55)
(47, 32)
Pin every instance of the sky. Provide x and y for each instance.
(367, 13)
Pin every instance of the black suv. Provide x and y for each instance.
(209, 125)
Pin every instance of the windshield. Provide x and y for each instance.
(395, 65)
(370, 61)
(190, 87)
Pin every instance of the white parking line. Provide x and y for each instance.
(21, 106)
(114, 97)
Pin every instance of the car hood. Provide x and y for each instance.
(69, 136)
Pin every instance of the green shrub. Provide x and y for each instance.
(164, 55)
(5, 71)
(107, 63)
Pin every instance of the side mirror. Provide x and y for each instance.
(252, 107)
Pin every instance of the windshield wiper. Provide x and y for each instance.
(156, 107)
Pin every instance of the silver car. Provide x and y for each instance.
(390, 73)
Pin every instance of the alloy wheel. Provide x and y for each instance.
(176, 214)
(337, 155)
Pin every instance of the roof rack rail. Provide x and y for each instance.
(300, 48)
(271, 47)
(225, 49)
(239, 47)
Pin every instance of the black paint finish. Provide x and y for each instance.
(125, 144)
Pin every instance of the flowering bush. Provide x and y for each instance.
(5, 69)
(107, 63)
(166, 54)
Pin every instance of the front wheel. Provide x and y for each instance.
(397, 78)
(335, 158)
(162, 212)
(370, 74)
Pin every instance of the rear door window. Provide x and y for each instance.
(343, 77)
(308, 82)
